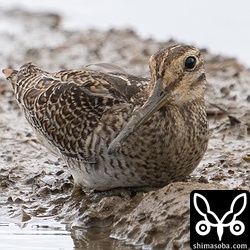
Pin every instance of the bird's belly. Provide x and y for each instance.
(139, 164)
(103, 175)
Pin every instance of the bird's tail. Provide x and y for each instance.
(10, 75)
(15, 76)
(8, 72)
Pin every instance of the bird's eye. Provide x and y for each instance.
(190, 62)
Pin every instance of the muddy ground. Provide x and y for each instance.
(33, 183)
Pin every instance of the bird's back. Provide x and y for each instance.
(71, 108)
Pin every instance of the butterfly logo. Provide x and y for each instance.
(203, 227)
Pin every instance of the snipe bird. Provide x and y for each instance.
(119, 130)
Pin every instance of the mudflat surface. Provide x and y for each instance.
(35, 184)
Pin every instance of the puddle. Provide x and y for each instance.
(46, 234)
(43, 235)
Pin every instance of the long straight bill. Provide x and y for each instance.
(141, 115)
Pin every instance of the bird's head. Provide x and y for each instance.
(178, 77)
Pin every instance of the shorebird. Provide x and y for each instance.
(119, 130)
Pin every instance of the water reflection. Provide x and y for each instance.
(97, 239)
(51, 235)
(47, 235)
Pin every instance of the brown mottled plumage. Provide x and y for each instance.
(117, 130)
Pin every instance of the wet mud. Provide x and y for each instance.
(35, 184)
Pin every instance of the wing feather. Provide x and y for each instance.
(73, 110)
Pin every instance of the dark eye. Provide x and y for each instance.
(190, 62)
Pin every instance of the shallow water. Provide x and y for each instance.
(51, 235)
(45, 234)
